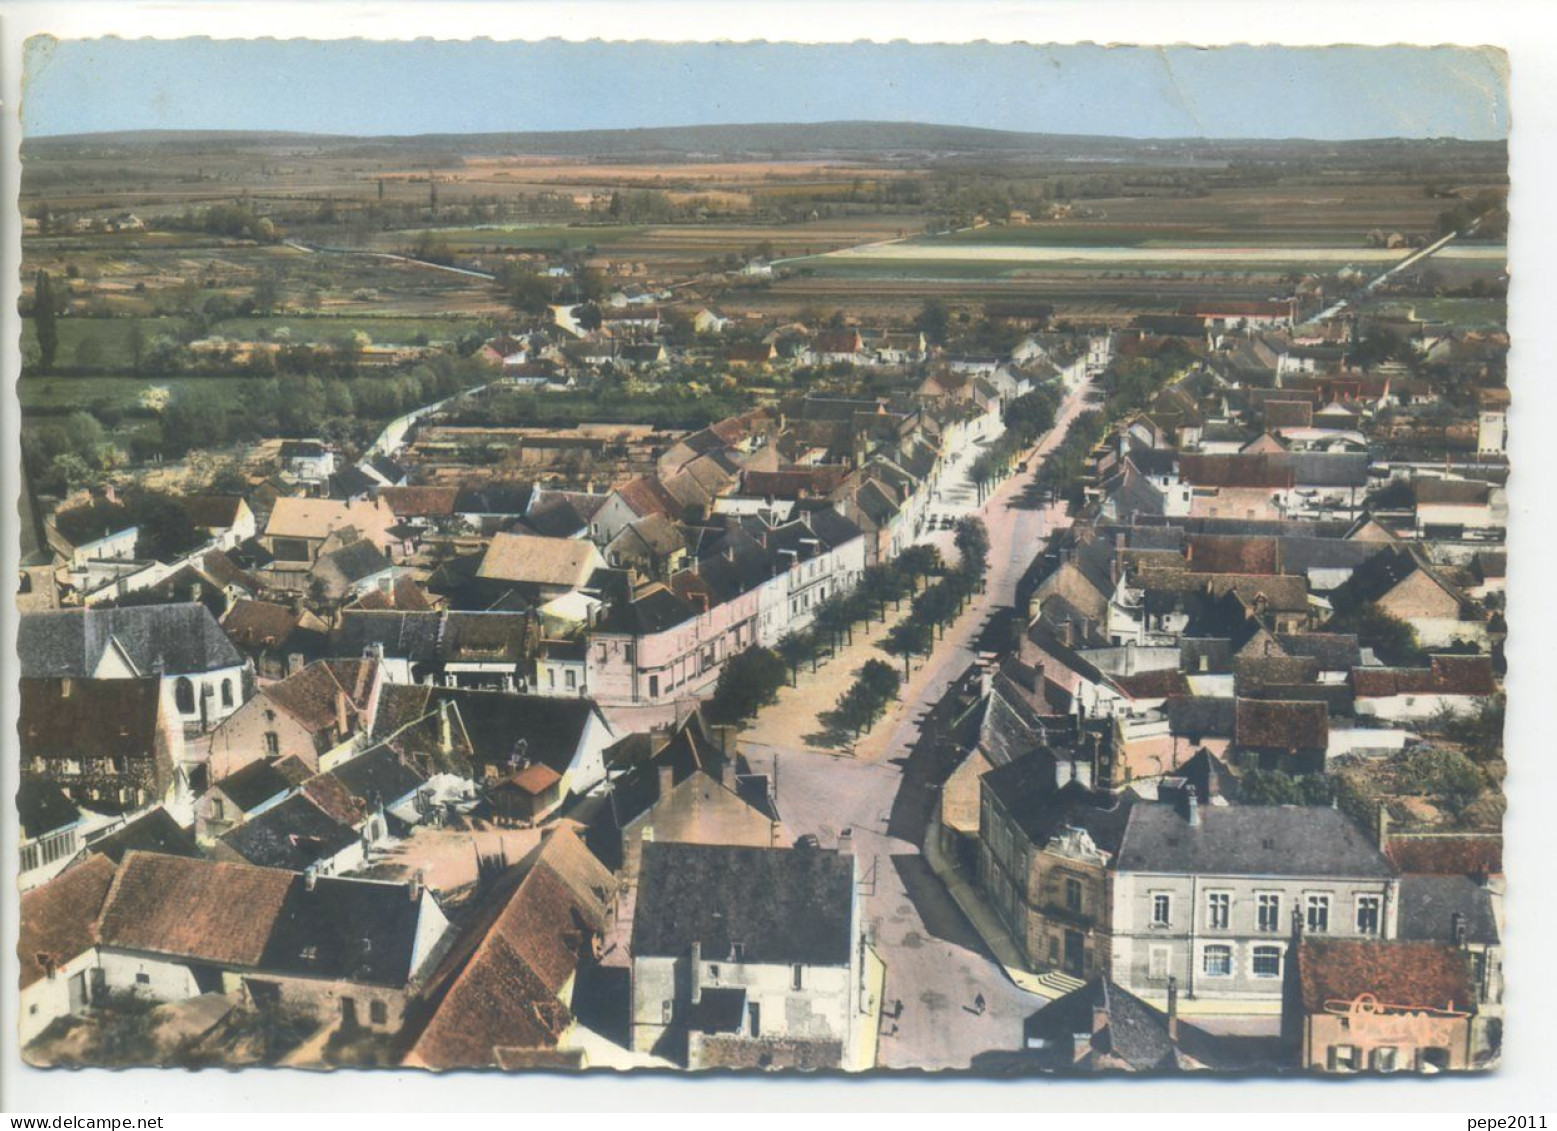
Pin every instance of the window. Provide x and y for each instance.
(754, 1013)
(1385, 1058)
(218, 810)
(142, 979)
(1342, 1058)
(1157, 962)
(226, 693)
(378, 1012)
(1219, 910)
(666, 1008)
(1268, 912)
(1218, 962)
(1367, 914)
(272, 744)
(654, 687)
(797, 977)
(738, 951)
(713, 972)
(1317, 918)
(551, 678)
(1267, 962)
(1072, 894)
(184, 696)
(1162, 909)
(571, 678)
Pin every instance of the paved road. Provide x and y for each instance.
(877, 804)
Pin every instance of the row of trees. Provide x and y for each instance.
(943, 601)
(1027, 417)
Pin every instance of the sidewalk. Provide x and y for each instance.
(979, 913)
(1055, 985)
(793, 717)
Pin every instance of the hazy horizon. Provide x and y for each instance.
(357, 88)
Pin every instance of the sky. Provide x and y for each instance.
(372, 88)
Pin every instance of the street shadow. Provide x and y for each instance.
(936, 751)
(602, 997)
(998, 633)
(937, 910)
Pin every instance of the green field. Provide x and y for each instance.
(57, 395)
(552, 237)
(110, 338)
(1462, 313)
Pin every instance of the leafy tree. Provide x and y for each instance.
(1275, 787)
(918, 561)
(588, 316)
(972, 542)
(880, 679)
(909, 638)
(934, 319)
(165, 530)
(525, 289)
(44, 313)
(1393, 640)
(749, 681)
(795, 647)
(1448, 775)
(1480, 732)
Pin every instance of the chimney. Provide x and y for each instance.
(1068, 633)
(1129, 657)
(1192, 805)
(294, 663)
(695, 972)
(309, 877)
(667, 778)
(445, 730)
(340, 713)
(414, 889)
(1457, 928)
(1383, 826)
(1205, 662)
(1173, 1011)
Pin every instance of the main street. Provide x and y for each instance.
(878, 804)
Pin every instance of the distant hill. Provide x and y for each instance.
(751, 140)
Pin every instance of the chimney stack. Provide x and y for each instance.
(414, 890)
(341, 719)
(695, 972)
(1193, 805)
(309, 877)
(1457, 928)
(1173, 1010)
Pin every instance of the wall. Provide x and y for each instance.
(1184, 940)
(822, 1008)
(48, 998)
(1408, 1034)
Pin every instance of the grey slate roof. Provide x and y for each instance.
(1026, 790)
(1249, 840)
(1428, 905)
(351, 930)
(378, 776)
(69, 642)
(780, 905)
(293, 835)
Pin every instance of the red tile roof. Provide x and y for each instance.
(1448, 854)
(1447, 675)
(498, 988)
(59, 919)
(1420, 975)
(1283, 724)
(212, 912)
